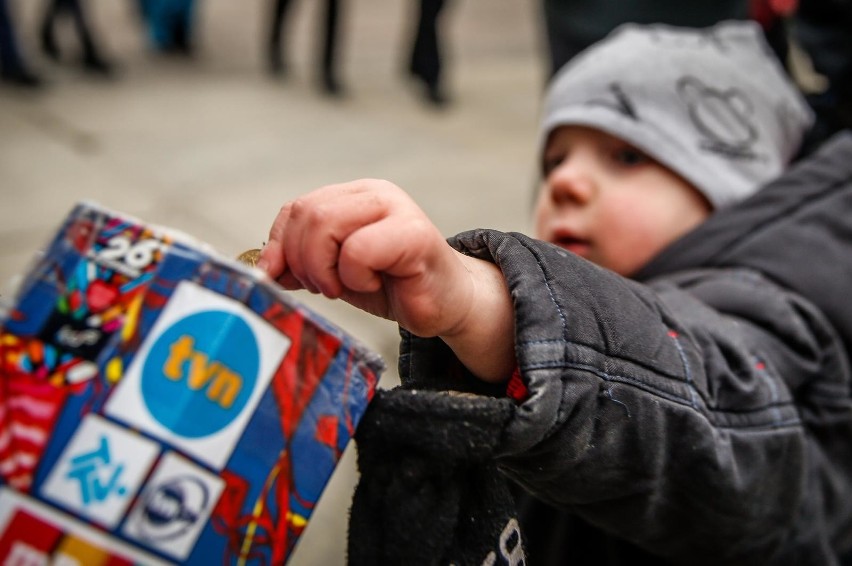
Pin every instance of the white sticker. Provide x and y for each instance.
(174, 506)
(199, 374)
(100, 470)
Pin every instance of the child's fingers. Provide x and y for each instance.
(405, 257)
(365, 253)
(398, 246)
(312, 240)
(321, 223)
(357, 260)
(289, 282)
(306, 236)
(320, 262)
(272, 258)
(296, 248)
(274, 255)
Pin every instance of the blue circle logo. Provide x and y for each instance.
(200, 373)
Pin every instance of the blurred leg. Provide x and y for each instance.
(92, 58)
(182, 28)
(426, 52)
(12, 67)
(562, 43)
(159, 28)
(330, 82)
(48, 36)
(276, 59)
(144, 7)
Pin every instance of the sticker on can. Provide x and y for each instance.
(199, 374)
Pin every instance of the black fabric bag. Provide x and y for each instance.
(430, 491)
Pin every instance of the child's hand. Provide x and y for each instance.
(368, 243)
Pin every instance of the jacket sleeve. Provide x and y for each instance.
(697, 416)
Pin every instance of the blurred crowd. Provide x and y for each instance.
(168, 25)
(816, 32)
(169, 28)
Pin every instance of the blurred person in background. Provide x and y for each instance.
(823, 29)
(170, 24)
(13, 69)
(91, 55)
(425, 64)
(328, 79)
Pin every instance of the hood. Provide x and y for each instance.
(797, 231)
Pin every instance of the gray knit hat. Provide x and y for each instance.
(713, 104)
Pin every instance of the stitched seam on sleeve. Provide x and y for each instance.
(777, 423)
(592, 347)
(562, 317)
(686, 369)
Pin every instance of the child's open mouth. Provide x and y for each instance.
(573, 244)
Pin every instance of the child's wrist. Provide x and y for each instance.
(482, 336)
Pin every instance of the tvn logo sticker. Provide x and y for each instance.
(100, 470)
(174, 507)
(199, 374)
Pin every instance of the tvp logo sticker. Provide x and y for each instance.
(200, 373)
(100, 470)
(174, 507)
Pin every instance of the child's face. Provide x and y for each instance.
(610, 203)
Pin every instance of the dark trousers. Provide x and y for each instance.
(10, 56)
(426, 53)
(55, 9)
(328, 47)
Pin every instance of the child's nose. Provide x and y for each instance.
(571, 183)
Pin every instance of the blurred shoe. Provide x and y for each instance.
(21, 78)
(331, 86)
(181, 40)
(275, 62)
(433, 94)
(97, 65)
(436, 96)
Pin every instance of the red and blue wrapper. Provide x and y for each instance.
(160, 403)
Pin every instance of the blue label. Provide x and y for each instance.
(200, 373)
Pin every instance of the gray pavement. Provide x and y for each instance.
(212, 146)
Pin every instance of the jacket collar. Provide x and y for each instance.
(797, 231)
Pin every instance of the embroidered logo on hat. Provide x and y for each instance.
(721, 116)
(619, 102)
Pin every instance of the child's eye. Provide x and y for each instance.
(551, 162)
(630, 156)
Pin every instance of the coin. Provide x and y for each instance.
(249, 257)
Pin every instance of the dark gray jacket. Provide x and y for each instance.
(702, 413)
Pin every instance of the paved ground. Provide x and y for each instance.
(213, 147)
